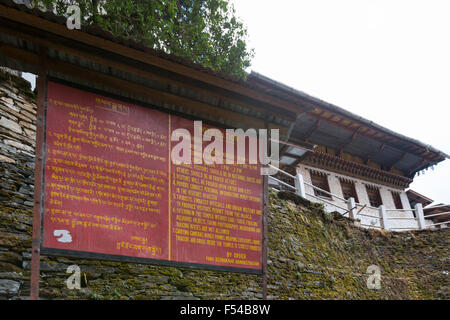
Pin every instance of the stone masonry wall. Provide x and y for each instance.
(319, 255)
(312, 254)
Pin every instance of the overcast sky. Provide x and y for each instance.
(388, 61)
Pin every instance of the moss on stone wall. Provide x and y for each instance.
(312, 254)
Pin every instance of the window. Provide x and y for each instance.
(320, 180)
(397, 200)
(374, 196)
(348, 189)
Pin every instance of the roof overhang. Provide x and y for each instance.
(416, 197)
(34, 41)
(333, 127)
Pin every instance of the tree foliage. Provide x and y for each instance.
(204, 31)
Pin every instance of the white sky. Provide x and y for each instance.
(388, 61)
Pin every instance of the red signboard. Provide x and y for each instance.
(111, 190)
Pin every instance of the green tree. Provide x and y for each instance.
(204, 31)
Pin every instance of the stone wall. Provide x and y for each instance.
(319, 255)
(312, 254)
(17, 141)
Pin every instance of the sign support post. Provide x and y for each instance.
(38, 175)
(265, 233)
(264, 218)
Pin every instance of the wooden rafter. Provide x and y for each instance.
(417, 166)
(141, 71)
(392, 165)
(114, 82)
(291, 128)
(310, 132)
(373, 154)
(385, 139)
(349, 141)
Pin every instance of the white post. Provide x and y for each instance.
(383, 218)
(419, 216)
(300, 186)
(351, 204)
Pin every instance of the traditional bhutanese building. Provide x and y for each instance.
(439, 213)
(349, 156)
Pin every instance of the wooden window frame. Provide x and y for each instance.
(397, 200)
(351, 184)
(379, 201)
(324, 184)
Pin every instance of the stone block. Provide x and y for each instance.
(18, 145)
(6, 159)
(9, 287)
(11, 125)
